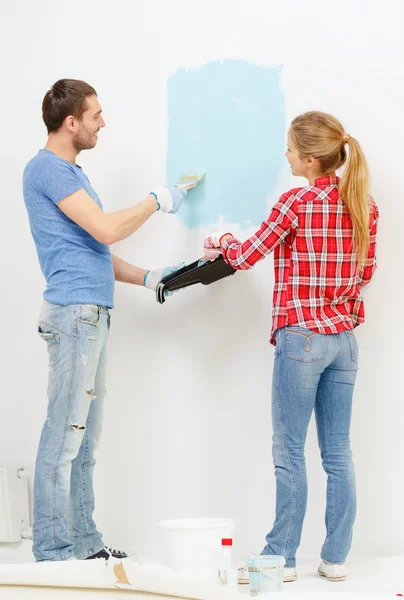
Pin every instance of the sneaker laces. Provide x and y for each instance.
(116, 553)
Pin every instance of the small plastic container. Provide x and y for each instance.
(266, 573)
(227, 574)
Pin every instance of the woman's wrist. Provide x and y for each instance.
(226, 236)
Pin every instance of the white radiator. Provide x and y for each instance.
(14, 503)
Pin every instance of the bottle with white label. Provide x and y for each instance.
(227, 574)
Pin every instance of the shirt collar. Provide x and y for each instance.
(326, 181)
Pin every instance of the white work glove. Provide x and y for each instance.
(211, 245)
(152, 278)
(170, 197)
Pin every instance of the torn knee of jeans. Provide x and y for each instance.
(91, 394)
(78, 427)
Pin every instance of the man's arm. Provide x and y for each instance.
(106, 228)
(127, 273)
(150, 279)
(112, 227)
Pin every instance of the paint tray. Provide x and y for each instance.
(205, 273)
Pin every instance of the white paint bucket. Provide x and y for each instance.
(194, 546)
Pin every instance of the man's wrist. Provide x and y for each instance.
(145, 277)
(153, 197)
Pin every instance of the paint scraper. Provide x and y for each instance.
(190, 179)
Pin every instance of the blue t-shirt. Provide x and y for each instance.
(77, 268)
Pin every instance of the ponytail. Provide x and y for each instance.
(353, 189)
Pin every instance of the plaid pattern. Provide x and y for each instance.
(316, 275)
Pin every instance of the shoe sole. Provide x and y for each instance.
(332, 579)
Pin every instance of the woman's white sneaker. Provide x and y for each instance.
(332, 572)
(243, 576)
(289, 575)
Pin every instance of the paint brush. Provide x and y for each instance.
(190, 180)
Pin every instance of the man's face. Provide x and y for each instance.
(89, 125)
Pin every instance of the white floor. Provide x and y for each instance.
(381, 576)
(367, 578)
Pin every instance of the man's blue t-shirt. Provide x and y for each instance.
(77, 268)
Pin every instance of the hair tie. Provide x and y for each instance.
(346, 138)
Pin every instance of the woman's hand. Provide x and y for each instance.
(212, 245)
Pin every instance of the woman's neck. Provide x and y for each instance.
(313, 176)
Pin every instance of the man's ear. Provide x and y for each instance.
(71, 123)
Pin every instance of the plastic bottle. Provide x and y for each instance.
(227, 574)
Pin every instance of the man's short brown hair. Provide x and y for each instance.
(66, 97)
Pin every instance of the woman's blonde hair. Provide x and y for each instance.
(321, 136)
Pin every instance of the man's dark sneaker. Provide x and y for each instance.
(101, 554)
(106, 552)
(116, 553)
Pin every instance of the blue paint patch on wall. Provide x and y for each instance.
(227, 118)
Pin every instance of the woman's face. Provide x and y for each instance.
(298, 165)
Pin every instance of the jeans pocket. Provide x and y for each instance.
(305, 346)
(353, 345)
(90, 314)
(52, 339)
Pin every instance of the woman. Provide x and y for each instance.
(324, 239)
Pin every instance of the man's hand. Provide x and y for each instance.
(152, 278)
(170, 197)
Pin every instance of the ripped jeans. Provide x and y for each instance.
(76, 337)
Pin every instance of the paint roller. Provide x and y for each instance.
(201, 271)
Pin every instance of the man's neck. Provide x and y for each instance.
(61, 148)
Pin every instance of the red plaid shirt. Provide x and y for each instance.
(317, 280)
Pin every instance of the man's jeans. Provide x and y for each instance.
(313, 371)
(76, 337)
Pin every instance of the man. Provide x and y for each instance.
(72, 236)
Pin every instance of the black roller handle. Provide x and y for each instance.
(207, 273)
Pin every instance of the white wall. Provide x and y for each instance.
(187, 427)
